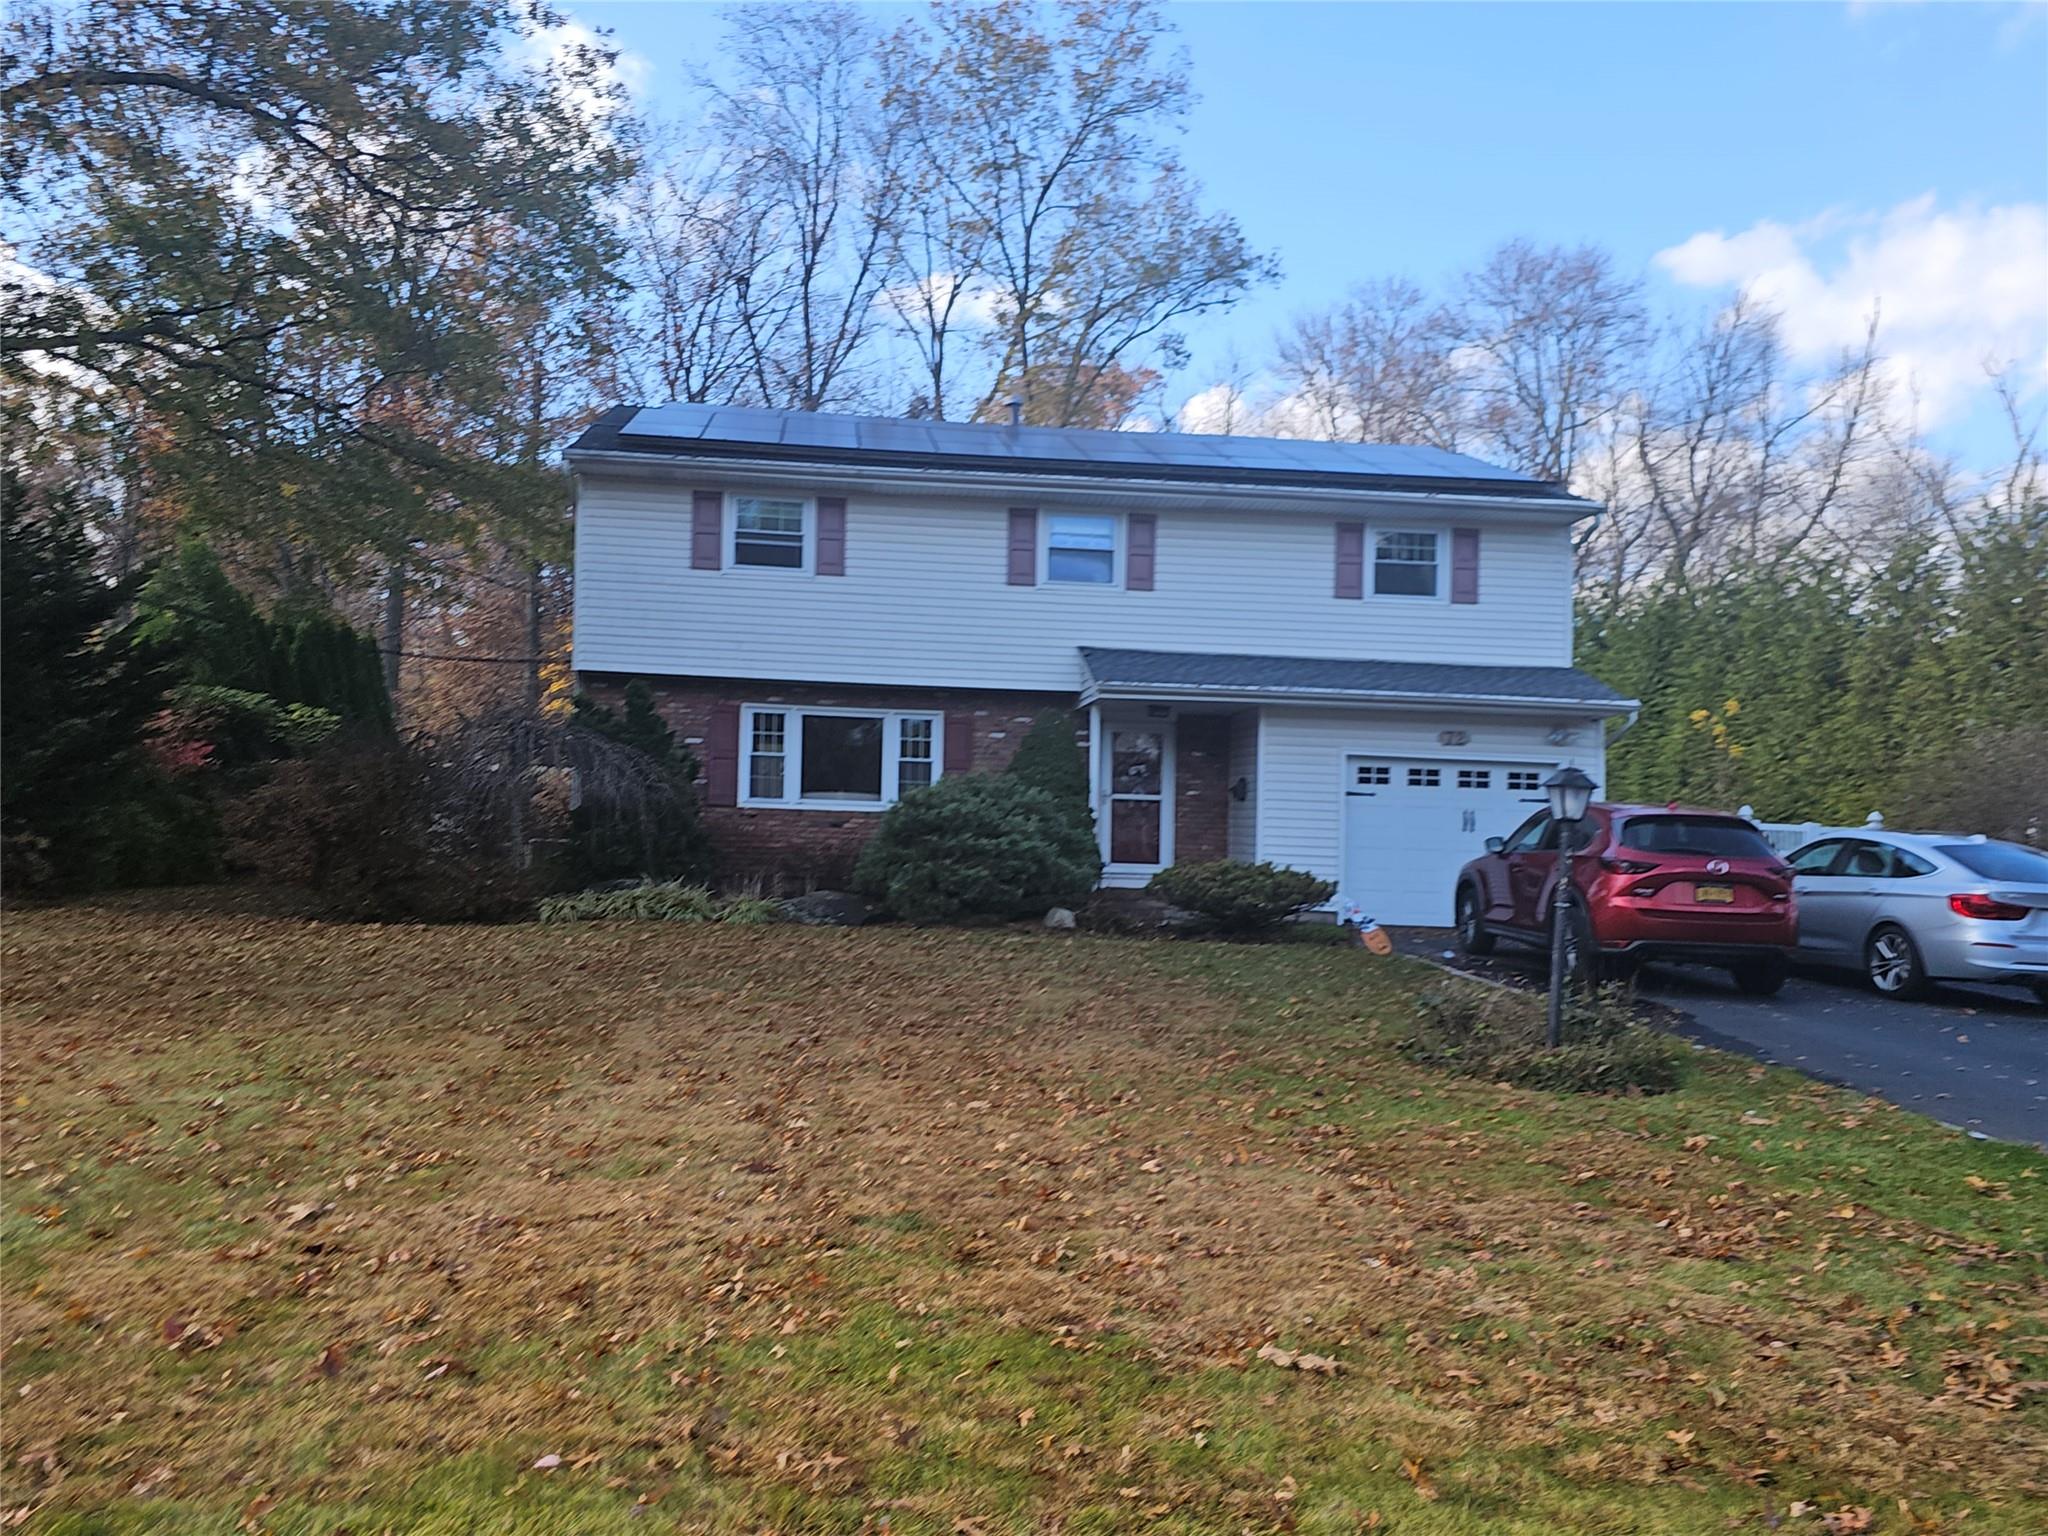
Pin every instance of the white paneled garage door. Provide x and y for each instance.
(1411, 823)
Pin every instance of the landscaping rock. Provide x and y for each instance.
(827, 909)
(1124, 911)
(1060, 917)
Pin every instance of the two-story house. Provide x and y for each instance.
(1351, 659)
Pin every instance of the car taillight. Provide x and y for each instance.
(1616, 866)
(1990, 908)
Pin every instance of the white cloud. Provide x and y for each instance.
(1958, 291)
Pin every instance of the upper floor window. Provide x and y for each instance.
(1081, 549)
(1404, 563)
(768, 530)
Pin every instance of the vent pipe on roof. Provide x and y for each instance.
(1016, 411)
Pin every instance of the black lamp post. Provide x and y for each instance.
(1570, 792)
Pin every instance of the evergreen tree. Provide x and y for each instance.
(667, 845)
(77, 696)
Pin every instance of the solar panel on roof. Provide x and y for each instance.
(744, 427)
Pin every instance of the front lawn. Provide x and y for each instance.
(679, 1228)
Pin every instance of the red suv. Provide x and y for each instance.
(1654, 882)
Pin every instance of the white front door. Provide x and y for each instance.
(1410, 824)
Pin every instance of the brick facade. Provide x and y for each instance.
(1201, 788)
(789, 850)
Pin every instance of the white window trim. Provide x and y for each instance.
(1118, 555)
(1167, 731)
(731, 534)
(1373, 534)
(793, 755)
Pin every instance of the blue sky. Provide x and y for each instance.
(1823, 153)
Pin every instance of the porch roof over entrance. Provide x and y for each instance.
(1191, 675)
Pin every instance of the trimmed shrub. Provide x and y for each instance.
(1238, 897)
(1049, 758)
(662, 901)
(1499, 1036)
(976, 846)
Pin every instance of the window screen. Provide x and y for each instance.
(766, 532)
(1404, 564)
(1081, 549)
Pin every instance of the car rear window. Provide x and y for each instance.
(1711, 836)
(2000, 861)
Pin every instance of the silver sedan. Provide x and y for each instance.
(1911, 908)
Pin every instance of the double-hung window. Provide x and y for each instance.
(1081, 549)
(836, 758)
(1404, 563)
(769, 531)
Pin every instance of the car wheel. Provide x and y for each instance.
(1760, 978)
(1893, 964)
(1581, 955)
(1473, 935)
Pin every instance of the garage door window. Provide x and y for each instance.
(1475, 778)
(1425, 778)
(1375, 773)
(1524, 778)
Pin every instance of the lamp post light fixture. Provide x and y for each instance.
(1570, 792)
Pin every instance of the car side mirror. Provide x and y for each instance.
(1496, 844)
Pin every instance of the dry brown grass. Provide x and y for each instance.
(316, 1225)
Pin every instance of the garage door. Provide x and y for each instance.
(1411, 823)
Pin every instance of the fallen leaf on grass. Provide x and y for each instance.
(1299, 1360)
(547, 1463)
(1424, 1488)
(331, 1360)
(1847, 1521)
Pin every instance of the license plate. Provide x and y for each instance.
(1721, 895)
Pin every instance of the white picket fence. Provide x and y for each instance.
(1785, 836)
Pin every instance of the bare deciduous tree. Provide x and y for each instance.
(1378, 368)
(1548, 338)
(1072, 228)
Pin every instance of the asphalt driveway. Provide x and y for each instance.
(1972, 1057)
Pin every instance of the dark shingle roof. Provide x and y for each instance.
(1180, 672)
(809, 437)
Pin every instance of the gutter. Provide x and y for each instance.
(1094, 692)
(659, 466)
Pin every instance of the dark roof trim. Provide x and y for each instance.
(605, 436)
(1175, 674)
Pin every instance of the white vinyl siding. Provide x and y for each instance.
(925, 601)
(1305, 754)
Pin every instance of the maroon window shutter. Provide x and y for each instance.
(959, 743)
(1351, 559)
(722, 756)
(831, 535)
(1464, 565)
(1023, 546)
(707, 530)
(1144, 534)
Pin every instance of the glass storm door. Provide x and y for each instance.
(1137, 797)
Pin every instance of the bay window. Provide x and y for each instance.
(843, 759)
